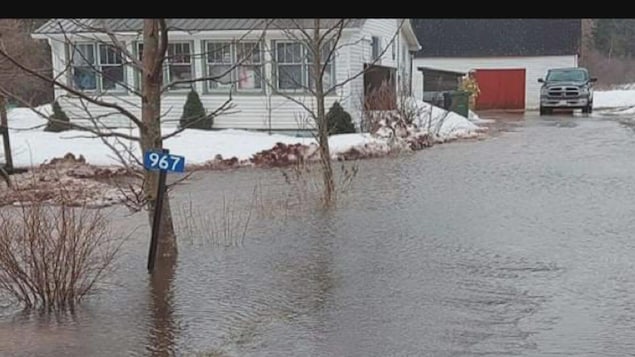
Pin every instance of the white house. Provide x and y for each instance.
(507, 55)
(260, 52)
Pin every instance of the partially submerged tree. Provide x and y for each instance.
(317, 42)
(14, 34)
(154, 54)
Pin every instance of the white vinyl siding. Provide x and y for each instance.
(254, 108)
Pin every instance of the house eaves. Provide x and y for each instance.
(76, 26)
(411, 37)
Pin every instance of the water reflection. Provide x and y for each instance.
(163, 331)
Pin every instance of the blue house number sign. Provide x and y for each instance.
(153, 160)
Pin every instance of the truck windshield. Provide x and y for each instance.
(574, 75)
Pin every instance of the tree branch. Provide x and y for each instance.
(71, 90)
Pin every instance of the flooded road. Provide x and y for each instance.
(518, 245)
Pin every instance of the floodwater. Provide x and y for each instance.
(518, 245)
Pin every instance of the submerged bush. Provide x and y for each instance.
(51, 257)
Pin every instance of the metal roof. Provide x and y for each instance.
(497, 37)
(59, 26)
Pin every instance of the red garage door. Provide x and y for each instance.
(501, 88)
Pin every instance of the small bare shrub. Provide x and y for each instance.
(375, 105)
(305, 183)
(226, 226)
(52, 256)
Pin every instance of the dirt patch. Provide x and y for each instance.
(72, 179)
(67, 180)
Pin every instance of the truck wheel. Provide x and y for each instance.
(545, 111)
(588, 109)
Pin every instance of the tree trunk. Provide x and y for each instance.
(323, 129)
(153, 54)
(4, 129)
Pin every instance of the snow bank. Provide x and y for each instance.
(446, 125)
(625, 86)
(474, 118)
(25, 118)
(619, 111)
(614, 98)
(32, 146)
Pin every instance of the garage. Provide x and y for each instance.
(462, 45)
(501, 88)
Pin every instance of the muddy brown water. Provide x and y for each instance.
(518, 245)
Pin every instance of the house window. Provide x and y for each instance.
(404, 54)
(179, 65)
(294, 66)
(249, 70)
(97, 68)
(375, 45)
(327, 79)
(111, 68)
(234, 65)
(291, 65)
(219, 64)
(83, 63)
(394, 49)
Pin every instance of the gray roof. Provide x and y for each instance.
(58, 26)
(497, 37)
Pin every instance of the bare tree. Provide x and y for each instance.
(321, 40)
(14, 33)
(149, 64)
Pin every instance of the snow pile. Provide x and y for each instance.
(619, 111)
(474, 118)
(443, 125)
(32, 146)
(625, 86)
(614, 98)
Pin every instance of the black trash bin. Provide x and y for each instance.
(447, 100)
(460, 102)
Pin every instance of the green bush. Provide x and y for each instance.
(339, 121)
(58, 121)
(194, 115)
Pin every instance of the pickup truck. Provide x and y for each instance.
(566, 88)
